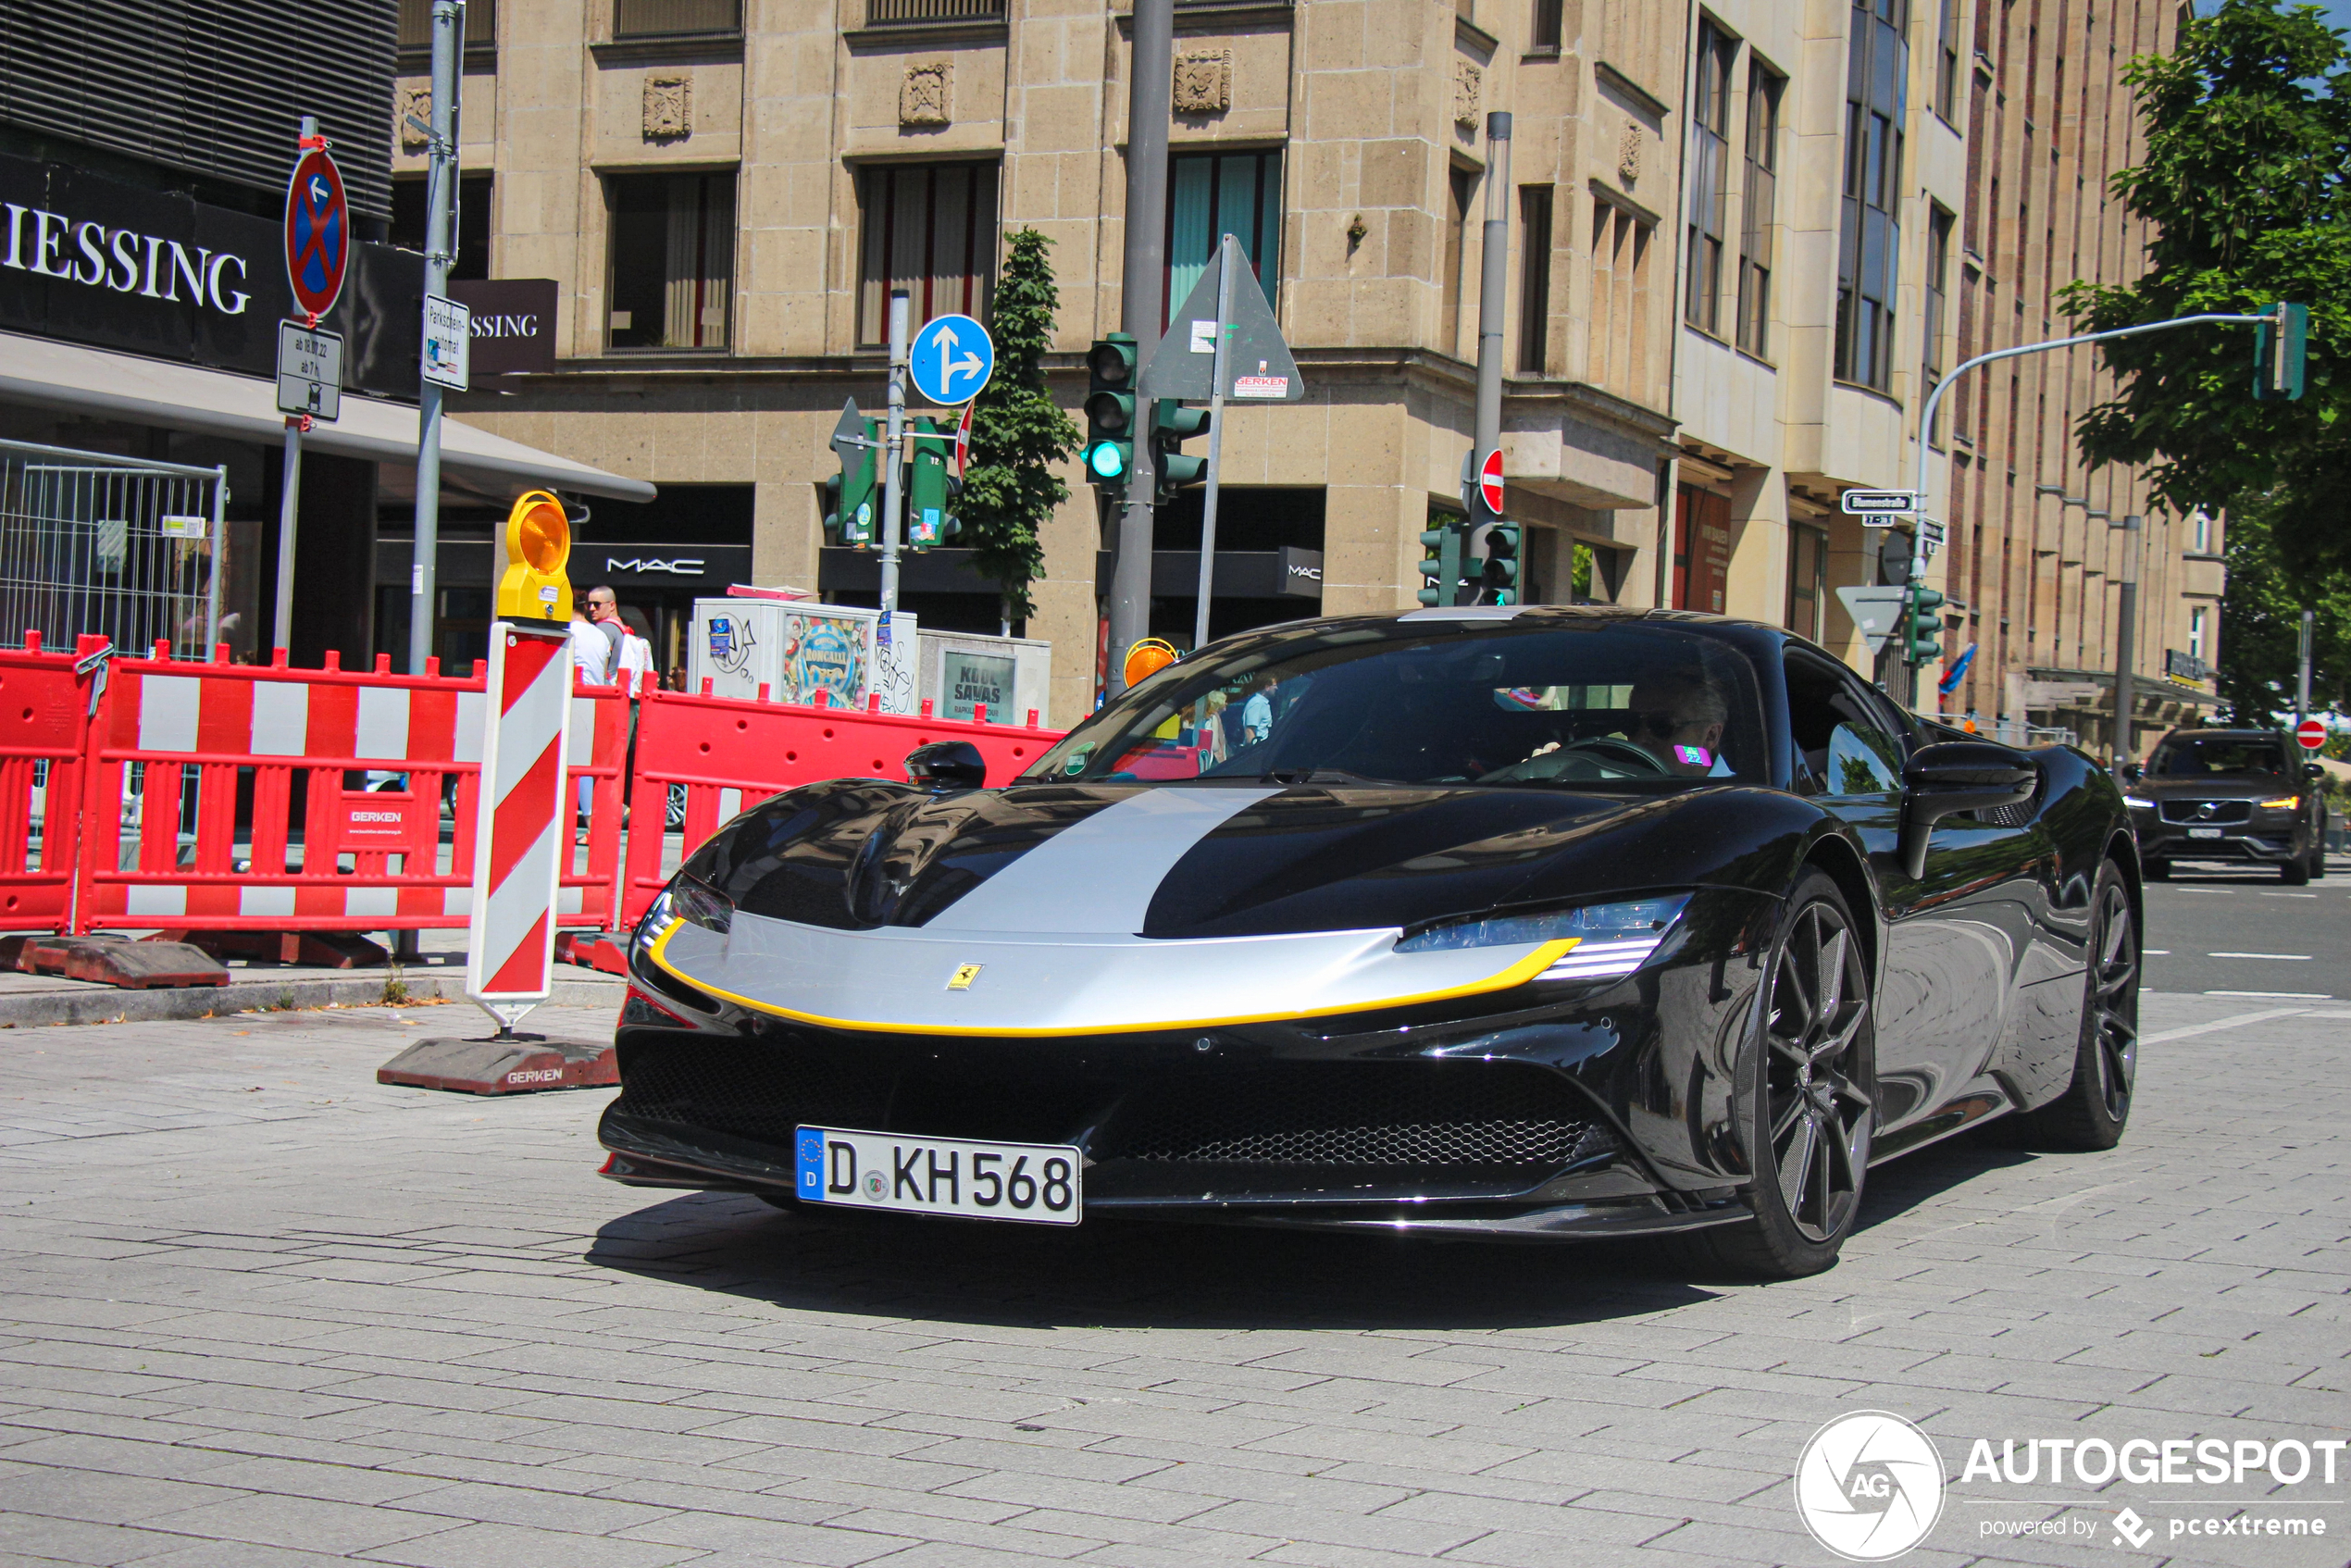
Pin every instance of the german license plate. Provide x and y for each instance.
(2204, 832)
(1037, 1182)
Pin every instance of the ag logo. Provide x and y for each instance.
(1868, 1485)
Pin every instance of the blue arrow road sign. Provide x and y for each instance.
(951, 360)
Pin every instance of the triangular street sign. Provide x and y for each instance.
(1875, 611)
(849, 436)
(1256, 359)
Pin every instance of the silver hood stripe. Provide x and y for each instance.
(1097, 877)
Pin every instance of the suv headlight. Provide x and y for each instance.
(686, 900)
(1610, 939)
(2284, 803)
(2135, 803)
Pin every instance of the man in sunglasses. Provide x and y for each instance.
(1678, 718)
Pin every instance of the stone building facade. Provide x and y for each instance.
(1711, 333)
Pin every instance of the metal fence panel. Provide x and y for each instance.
(114, 547)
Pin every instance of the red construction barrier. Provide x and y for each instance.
(45, 722)
(728, 755)
(176, 741)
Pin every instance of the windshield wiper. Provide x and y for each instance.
(1317, 776)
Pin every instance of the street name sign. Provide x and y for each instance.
(309, 371)
(1878, 502)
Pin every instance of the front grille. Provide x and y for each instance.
(2205, 814)
(1359, 1113)
(761, 1089)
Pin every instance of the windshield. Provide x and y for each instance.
(2208, 756)
(1539, 703)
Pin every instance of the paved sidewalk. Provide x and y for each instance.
(260, 1311)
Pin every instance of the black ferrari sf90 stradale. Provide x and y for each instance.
(1535, 923)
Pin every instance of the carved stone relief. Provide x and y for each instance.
(1466, 81)
(1204, 81)
(669, 107)
(1628, 154)
(925, 97)
(413, 108)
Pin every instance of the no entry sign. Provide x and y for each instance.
(1489, 481)
(317, 233)
(2311, 734)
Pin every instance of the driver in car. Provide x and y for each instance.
(1676, 716)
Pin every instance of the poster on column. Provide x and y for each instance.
(521, 836)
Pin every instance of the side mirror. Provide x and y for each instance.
(946, 764)
(1955, 775)
(2312, 770)
(2134, 773)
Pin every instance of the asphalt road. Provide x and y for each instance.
(2228, 932)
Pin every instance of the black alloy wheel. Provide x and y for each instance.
(2094, 1109)
(1807, 1095)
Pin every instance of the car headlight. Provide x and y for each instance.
(2135, 803)
(686, 900)
(1610, 939)
(2284, 803)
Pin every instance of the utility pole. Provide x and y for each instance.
(1150, 86)
(290, 481)
(2126, 641)
(440, 245)
(893, 472)
(2302, 671)
(1494, 279)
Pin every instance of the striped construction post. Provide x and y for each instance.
(520, 845)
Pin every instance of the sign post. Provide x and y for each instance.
(441, 248)
(317, 249)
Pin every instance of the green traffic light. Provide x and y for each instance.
(1106, 460)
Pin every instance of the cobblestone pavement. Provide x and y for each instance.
(258, 1312)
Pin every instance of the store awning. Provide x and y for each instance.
(49, 374)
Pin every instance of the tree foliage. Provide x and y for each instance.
(2243, 185)
(2260, 646)
(1018, 433)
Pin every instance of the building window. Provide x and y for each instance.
(1710, 171)
(1617, 350)
(1213, 194)
(1535, 276)
(411, 211)
(2202, 535)
(415, 25)
(1463, 186)
(669, 18)
(929, 229)
(1946, 79)
(1938, 286)
(2195, 633)
(1545, 32)
(1870, 236)
(1760, 206)
(673, 260)
(1808, 581)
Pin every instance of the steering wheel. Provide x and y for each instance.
(1622, 752)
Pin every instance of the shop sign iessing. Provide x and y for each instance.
(514, 323)
(90, 260)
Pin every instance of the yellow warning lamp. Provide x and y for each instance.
(538, 544)
(1147, 658)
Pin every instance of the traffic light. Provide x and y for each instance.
(2281, 354)
(1172, 469)
(1443, 565)
(1498, 579)
(1922, 625)
(1110, 413)
(931, 491)
(536, 546)
(850, 501)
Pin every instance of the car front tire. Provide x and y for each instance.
(2294, 873)
(2096, 1106)
(1807, 1094)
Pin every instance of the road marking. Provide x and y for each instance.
(2281, 996)
(2289, 895)
(2154, 953)
(2297, 957)
(2222, 893)
(2239, 1021)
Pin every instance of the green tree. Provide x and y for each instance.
(2248, 136)
(2260, 640)
(1018, 433)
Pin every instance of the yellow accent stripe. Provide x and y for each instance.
(1518, 974)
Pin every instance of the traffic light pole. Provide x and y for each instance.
(1493, 285)
(1149, 107)
(1228, 258)
(441, 243)
(1935, 401)
(893, 481)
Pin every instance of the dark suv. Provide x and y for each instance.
(2229, 794)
